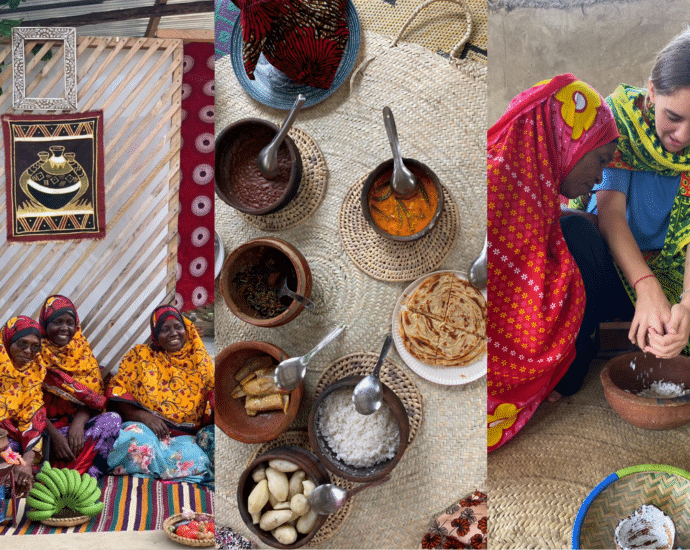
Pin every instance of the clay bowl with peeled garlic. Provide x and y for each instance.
(239, 181)
(402, 218)
(251, 278)
(649, 392)
(306, 523)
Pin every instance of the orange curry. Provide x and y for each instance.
(402, 216)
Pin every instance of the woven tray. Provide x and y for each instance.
(310, 192)
(68, 519)
(170, 520)
(300, 438)
(388, 260)
(623, 492)
(392, 374)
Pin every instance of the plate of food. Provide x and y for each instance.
(439, 328)
(273, 88)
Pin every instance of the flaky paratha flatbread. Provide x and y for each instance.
(431, 297)
(443, 322)
(457, 348)
(420, 335)
(467, 309)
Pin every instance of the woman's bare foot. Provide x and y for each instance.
(554, 396)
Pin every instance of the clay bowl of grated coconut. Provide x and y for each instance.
(353, 446)
(649, 392)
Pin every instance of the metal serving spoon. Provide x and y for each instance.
(285, 291)
(326, 499)
(368, 393)
(403, 181)
(290, 372)
(477, 274)
(268, 156)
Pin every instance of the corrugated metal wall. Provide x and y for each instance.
(115, 282)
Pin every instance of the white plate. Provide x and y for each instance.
(219, 254)
(448, 376)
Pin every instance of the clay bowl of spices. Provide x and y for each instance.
(252, 276)
(402, 218)
(239, 182)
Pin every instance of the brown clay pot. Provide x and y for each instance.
(4, 440)
(255, 252)
(621, 384)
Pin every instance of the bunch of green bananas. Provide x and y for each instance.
(57, 488)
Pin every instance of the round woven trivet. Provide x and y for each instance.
(66, 518)
(388, 260)
(310, 192)
(392, 375)
(169, 521)
(334, 520)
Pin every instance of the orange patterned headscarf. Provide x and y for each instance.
(21, 397)
(73, 371)
(177, 386)
(536, 294)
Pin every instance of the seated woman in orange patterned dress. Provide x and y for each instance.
(81, 432)
(22, 413)
(164, 392)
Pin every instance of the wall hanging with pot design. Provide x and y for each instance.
(54, 170)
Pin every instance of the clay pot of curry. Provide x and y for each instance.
(402, 218)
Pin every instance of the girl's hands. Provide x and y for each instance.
(675, 336)
(23, 479)
(652, 312)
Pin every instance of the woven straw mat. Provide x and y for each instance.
(440, 113)
(300, 438)
(310, 193)
(389, 260)
(538, 481)
(437, 27)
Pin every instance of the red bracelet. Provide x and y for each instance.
(643, 277)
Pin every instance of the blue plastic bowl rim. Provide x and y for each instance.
(582, 513)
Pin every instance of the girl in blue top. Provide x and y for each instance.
(643, 208)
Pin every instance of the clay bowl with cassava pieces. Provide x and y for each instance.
(402, 219)
(252, 274)
(329, 458)
(239, 183)
(624, 376)
(230, 413)
(302, 458)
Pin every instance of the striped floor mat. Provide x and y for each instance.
(131, 504)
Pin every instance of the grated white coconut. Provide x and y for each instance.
(661, 389)
(356, 439)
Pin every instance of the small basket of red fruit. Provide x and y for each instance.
(191, 529)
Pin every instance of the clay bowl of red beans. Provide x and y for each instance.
(402, 218)
(239, 182)
(252, 276)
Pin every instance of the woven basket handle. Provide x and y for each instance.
(468, 20)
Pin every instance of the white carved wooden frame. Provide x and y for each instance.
(68, 35)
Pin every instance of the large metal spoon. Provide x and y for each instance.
(477, 274)
(268, 156)
(285, 291)
(290, 372)
(326, 499)
(403, 181)
(368, 393)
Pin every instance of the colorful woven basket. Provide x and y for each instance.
(622, 492)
